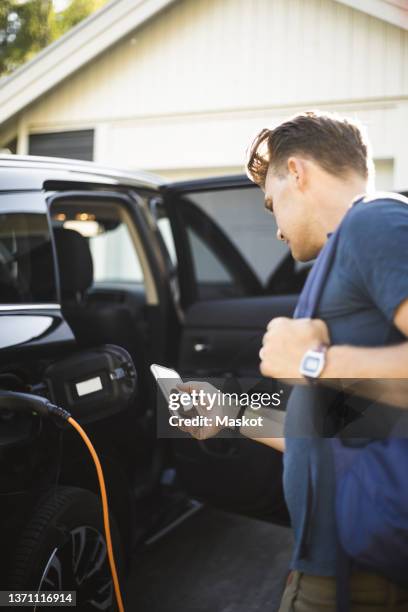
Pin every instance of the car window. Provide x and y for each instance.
(114, 256)
(229, 243)
(233, 245)
(107, 229)
(27, 272)
(214, 275)
(241, 214)
(208, 267)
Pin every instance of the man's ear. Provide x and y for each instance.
(297, 171)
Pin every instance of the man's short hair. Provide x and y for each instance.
(338, 144)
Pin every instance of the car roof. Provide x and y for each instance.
(31, 172)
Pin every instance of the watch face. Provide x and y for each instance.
(312, 364)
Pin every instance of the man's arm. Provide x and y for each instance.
(383, 369)
(382, 362)
(347, 362)
(269, 432)
(382, 372)
(378, 371)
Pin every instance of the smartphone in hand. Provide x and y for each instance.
(167, 380)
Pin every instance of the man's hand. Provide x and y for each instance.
(286, 341)
(206, 408)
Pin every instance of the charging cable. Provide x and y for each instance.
(25, 402)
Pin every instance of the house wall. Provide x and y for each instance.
(185, 92)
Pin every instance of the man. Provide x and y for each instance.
(315, 170)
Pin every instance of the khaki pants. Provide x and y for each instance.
(369, 593)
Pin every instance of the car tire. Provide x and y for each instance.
(63, 548)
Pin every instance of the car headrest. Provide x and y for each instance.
(38, 266)
(74, 261)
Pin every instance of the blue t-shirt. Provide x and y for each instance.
(367, 282)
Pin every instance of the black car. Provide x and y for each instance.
(106, 271)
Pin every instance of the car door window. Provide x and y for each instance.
(242, 216)
(208, 267)
(27, 274)
(216, 268)
(114, 257)
(216, 218)
(107, 229)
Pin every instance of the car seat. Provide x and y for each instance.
(97, 318)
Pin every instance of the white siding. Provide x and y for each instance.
(188, 89)
(202, 55)
(384, 174)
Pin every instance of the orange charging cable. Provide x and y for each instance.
(105, 510)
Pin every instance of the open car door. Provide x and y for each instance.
(234, 277)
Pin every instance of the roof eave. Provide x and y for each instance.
(390, 11)
(72, 51)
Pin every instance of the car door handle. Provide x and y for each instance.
(201, 347)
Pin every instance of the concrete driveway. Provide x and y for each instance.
(212, 562)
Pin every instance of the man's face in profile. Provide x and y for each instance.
(287, 199)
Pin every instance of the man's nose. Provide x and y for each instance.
(279, 235)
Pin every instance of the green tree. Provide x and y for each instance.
(24, 30)
(75, 12)
(27, 26)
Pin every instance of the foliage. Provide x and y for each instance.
(27, 26)
(75, 12)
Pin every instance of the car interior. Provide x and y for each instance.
(103, 299)
(103, 302)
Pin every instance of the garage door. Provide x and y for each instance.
(77, 144)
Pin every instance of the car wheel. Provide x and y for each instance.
(63, 548)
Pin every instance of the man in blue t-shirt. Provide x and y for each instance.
(316, 172)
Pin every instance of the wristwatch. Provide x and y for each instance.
(313, 362)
